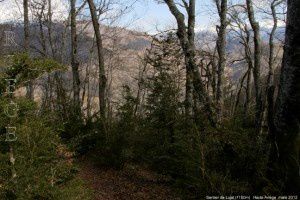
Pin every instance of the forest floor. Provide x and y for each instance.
(130, 183)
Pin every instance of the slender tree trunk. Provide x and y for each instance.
(285, 149)
(189, 72)
(85, 81)
(188, 93)
(88, 101)
(42, 35)
(270, 85)
(102, 76)
(237, 101)
(209, 76)
(249, 61)
(221, 47)
(188, 46)
(26, 25)
(138, 104)
(29, 86)
(49, 24)
(213, 74)
(248, 94)
(74, 61)
(271, 45)
(257, 64)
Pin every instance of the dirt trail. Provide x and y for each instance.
(127, 184)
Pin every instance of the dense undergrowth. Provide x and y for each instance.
(43, 166)
(197, 159)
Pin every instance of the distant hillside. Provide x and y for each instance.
(122, 49)
(234, 48)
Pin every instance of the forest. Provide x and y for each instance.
(204, 105)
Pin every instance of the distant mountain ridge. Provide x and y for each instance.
(123, 49)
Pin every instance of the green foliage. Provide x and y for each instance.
(126, 111)
(23, 68)
(112, 149)
(221, 161)
(68, 120)
(42, 170)
(43, 165)
(202, 162)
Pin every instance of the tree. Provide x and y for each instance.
(44, 169)
(221, 47)
(285, 148)
(74, 61)
(269, 97)
(26, 25)
(240, 28)
(186, 35)
(29, 87)
(257, 64)
(102, 77)
(273, 6)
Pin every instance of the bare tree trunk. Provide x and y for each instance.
(85, 80)
(142, 72)
(29, 86)
(74, 61)
(257, 63)
(285, 151)
(270, 85)
(102, 76)
(89, 87)
(42, 35)
(213, 74)
(237, 101)
(188, 93)
(188, 46)
(189, 72)
(209, 76)
(248, 94)
(249, 61)
(221, 47)
(26, 25)
(49, 24)
(271, 43)
(88, 101)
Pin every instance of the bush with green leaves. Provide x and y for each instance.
(37, 165)
(42, 169)
(113, 148)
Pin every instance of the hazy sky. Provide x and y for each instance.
(146, 15)
(151, 15)
(11, 10)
